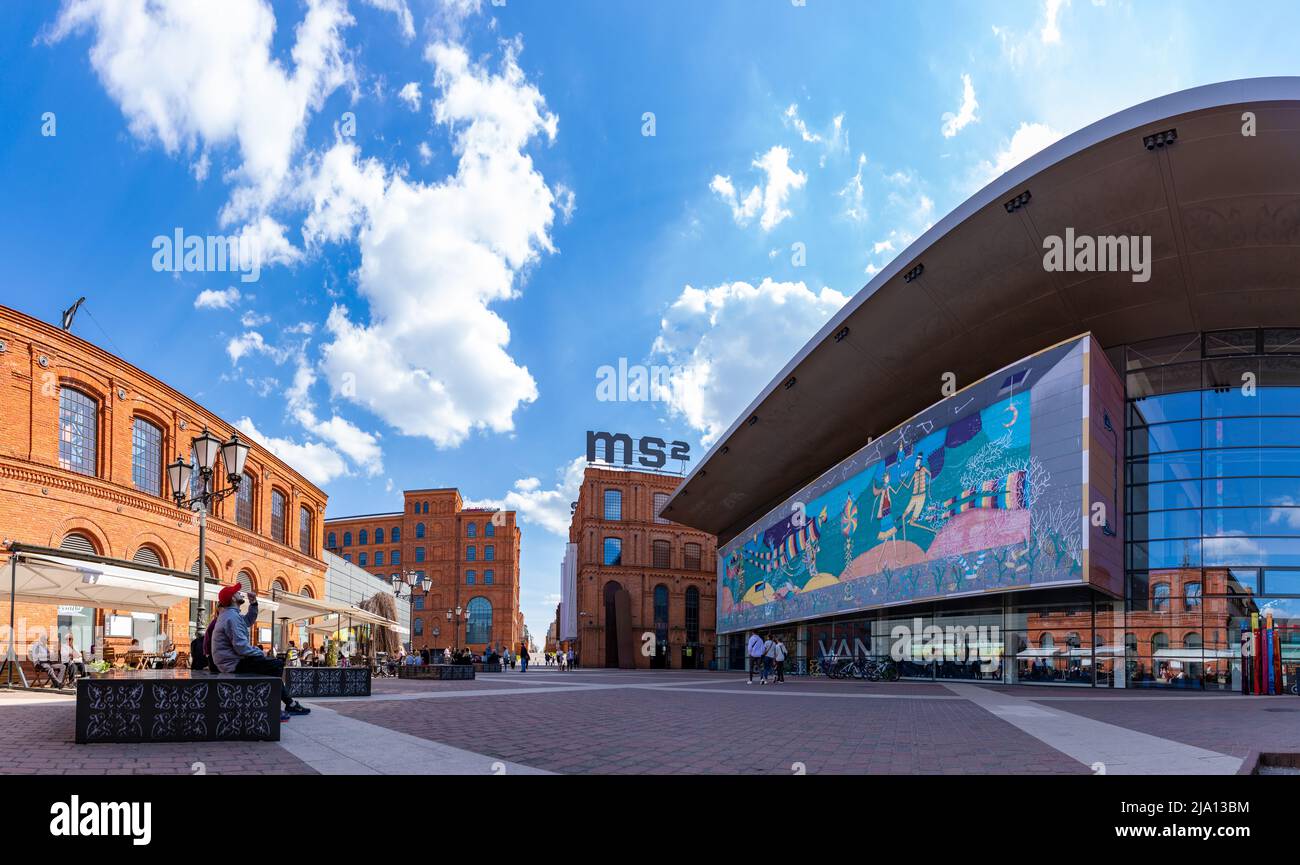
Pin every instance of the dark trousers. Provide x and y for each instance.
(780, 671)
(753, 666)
(54, 671)
(265, 666)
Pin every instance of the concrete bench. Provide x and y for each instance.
(177, 706)
(327, 681)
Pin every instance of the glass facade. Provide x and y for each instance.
(1212, 544)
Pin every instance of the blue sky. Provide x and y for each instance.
(460, 215)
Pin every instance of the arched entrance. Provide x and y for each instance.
(618, 627)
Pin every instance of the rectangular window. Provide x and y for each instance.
(277, 516)
(613, 551)
(661, 554)
(146, 456)
(379, 557)
(78, 432)
(488, 577)
(244, 503)
(419, 554)
(692, 556)
(470, 577)
(419, 602)
(661, 499)
(471, 554)
(613, 504)
(304, 530)
(489, 552)
(397, 557)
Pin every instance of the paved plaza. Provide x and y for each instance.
(613, 721)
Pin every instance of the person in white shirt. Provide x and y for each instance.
(39, 654)
(754, 649)
(778, 655)
(71, 659)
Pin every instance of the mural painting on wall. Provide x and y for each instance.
(932, 511)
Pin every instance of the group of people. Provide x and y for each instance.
(71, 663)
(562, 659)
(766, 655)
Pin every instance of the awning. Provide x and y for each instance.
(296, 607)
(96, 582)
(331, 623)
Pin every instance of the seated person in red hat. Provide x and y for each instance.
(234, 652)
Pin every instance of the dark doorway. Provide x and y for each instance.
(612, 590)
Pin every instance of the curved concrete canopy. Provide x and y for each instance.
(1223, 213)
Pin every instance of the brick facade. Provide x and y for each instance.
(42, 502)
(640, 572)
(434, 538)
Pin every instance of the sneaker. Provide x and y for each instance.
(298, 709)
(750, 682)
(284, 716)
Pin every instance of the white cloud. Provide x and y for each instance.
(1051, 32)
(211, 298)
(400, 9)
(954, 123)
(854, 193)
(410, 94)
(315, 461)
(770, 197)
(251, 343)
(1028, 139)
(426, 153)
(190, 79)
(547, 508)
(361, 447)
(727, 342)
(432, 358)
(833, 141)
(253, 319)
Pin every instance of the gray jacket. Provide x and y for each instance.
(230, 638)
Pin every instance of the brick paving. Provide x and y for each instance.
(623, 722)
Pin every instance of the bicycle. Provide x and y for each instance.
(876, 671)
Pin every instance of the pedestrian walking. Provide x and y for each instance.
(754, 649)
(779, 656)
(769, 659)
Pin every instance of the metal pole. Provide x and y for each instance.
(203, 544)
(13, 588)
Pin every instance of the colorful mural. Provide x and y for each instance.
(937, 511)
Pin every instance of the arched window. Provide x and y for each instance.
(489, 577)
(78, 432)
(661, 499)
(277, 517)
(244, 502)
(396, 558)
(691, 556)
(470, 577)
(471, 553)
(306, 591)
(613, 504)
(419, 530)
(478, 628)
(396, 534)
(333, 541)
(1160, 597)
(379, 557)
(146, 456)
(1192, 640)
(379, 536)
(347, 539)
(471, 530)
(489, 552)
(304, 530)
(361, 559)
(660, 553)
(1046, 641)
(661, 614)
(363, 538)
(425, 508)
(77, 542)
(489, 530)
(245, 580)
(147, 556)
(278, 587)
(692, 614)
(417, 627)
(1159, 641)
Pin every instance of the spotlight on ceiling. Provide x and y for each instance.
(914, 273)
(1160, 139)
(1018, 202)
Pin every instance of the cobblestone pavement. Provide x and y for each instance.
(611, 721)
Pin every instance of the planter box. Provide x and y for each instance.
(177, 706)
(488, 668)
(435, 671)
(327, 681)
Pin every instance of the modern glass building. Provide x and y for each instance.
(1003, 462)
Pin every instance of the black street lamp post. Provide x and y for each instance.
(206, 447)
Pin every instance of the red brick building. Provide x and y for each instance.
(643, 588)
(470, 554)
(84, 442)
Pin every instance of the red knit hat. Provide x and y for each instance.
(227, 593)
